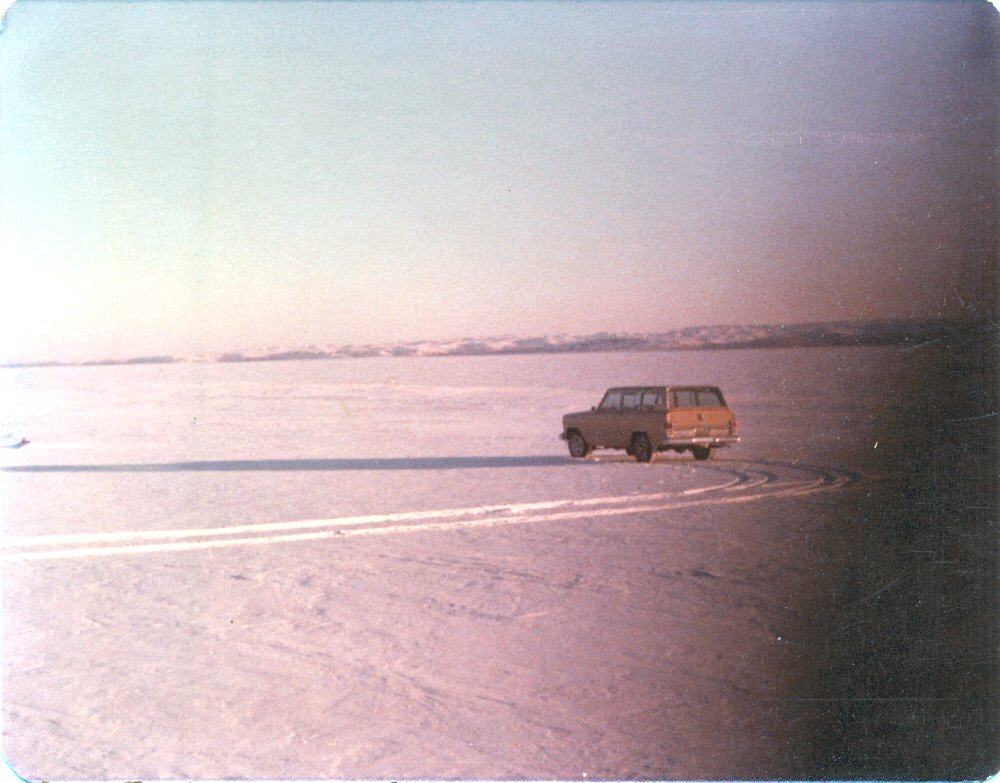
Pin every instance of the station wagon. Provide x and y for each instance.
(646, 419)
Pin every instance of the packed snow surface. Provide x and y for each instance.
(390, 567)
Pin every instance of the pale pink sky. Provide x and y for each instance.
(180, 177)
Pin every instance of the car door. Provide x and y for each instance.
(630, 420)
(653, 414)
(604, 419)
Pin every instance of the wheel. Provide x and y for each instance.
(578, 447)
(641, 447)
(701, 452)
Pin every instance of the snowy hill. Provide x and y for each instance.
(830, 333)
(884, 332)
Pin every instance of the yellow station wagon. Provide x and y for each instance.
(646, 419)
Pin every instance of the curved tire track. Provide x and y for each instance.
(744, 482)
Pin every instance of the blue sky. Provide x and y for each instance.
(179, 177)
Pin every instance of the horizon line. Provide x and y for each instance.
(896, 330)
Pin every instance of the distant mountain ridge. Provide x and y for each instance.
(898, 331)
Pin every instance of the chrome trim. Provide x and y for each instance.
(723, 440)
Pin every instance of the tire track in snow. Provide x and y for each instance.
(748, 484)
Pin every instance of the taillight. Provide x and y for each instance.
(732, 426)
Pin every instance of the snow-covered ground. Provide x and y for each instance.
(389, 567)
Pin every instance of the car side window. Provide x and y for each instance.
(650, 399)
(630, 401)
(709, 398)
(612, 401)
(685, 398)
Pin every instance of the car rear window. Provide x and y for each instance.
(709, 398)
(685, 398)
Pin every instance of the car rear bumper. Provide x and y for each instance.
(720, 440)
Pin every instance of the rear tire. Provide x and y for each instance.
(701, 452)
(641, 447)
(578, 447)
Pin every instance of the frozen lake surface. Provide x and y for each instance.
(390, 567)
